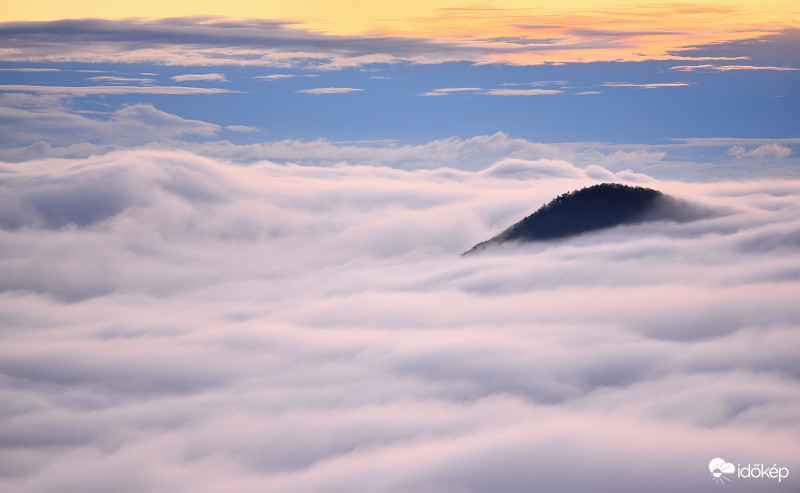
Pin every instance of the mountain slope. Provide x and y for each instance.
(593, 208)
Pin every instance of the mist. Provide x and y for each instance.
(173, 322)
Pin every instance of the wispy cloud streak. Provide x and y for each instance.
(654, 85)
(94, 90)
(522, 92)
(200, 77)
(444, 91)
(727, 68)
(330, 90)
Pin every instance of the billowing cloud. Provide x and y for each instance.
(82, 135)
(543, 168)
(330, 90)
(200, 77)
(46, 120)
(474, 153)
(177, 320)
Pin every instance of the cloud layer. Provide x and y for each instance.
(204, 41)
(45, 121)
(178, 323)
(451, 35)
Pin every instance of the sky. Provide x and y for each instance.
(231, 237)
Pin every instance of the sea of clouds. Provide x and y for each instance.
(178, 323)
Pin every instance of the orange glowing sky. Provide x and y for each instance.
(581, 30)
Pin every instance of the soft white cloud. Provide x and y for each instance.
(656, 85)
(67, 134)
(766, 151)
(199, 77)
(35, 100)
(547, 83)
(30, 69)
(731, 141)
(45, 120)
(587, 93)
(330, 90)
(112, 78)
(447, 90)
(543, 168)
(241, 128)
(93, 90)
(522, 92)
(273, 77)
(726, 68)
(173, 321)
(491, 92)
(474, 153)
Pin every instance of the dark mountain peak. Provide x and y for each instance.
(593, 208)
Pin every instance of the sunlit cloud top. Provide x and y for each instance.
(509, 31)
(607, 32)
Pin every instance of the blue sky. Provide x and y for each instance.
(390, 101)
(737, 90)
